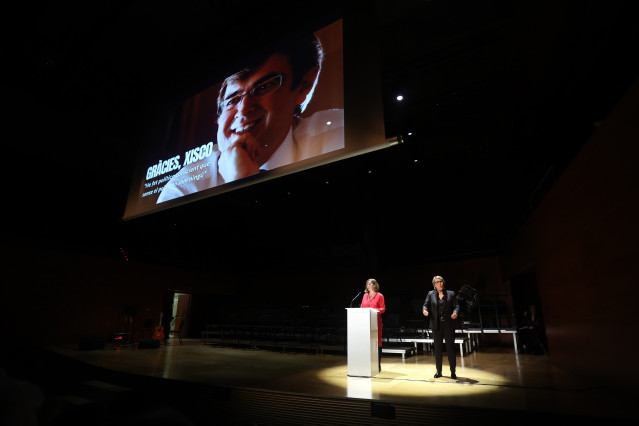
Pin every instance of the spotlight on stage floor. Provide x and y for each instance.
(415, 380)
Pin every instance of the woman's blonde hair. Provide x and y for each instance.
(375, 283)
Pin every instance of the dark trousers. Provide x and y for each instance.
(447, 331)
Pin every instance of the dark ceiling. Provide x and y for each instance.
(500, 96)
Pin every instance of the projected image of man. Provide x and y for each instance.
(259, 123)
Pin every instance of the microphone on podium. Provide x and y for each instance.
(355, 298)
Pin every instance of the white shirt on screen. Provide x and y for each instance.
(311, 137)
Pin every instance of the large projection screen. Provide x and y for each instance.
(232, 133)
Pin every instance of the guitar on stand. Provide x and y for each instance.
(158, 333)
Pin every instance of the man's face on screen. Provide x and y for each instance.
(259, 118)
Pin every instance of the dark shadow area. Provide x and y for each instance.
(75, 393)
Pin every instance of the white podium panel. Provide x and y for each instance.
(362, 342)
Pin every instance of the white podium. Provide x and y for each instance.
(362, 342)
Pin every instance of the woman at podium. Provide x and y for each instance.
(374, 299)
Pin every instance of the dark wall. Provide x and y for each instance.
(581, 243)
(56, 297)
(52, 297)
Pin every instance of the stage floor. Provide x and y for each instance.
(488, 378)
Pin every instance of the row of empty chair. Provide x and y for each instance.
(278, 337)
(320, 339)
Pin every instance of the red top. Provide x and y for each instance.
(377, 302)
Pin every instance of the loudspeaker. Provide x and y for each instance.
(149, 344)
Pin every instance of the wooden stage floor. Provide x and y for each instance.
(257, 387)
